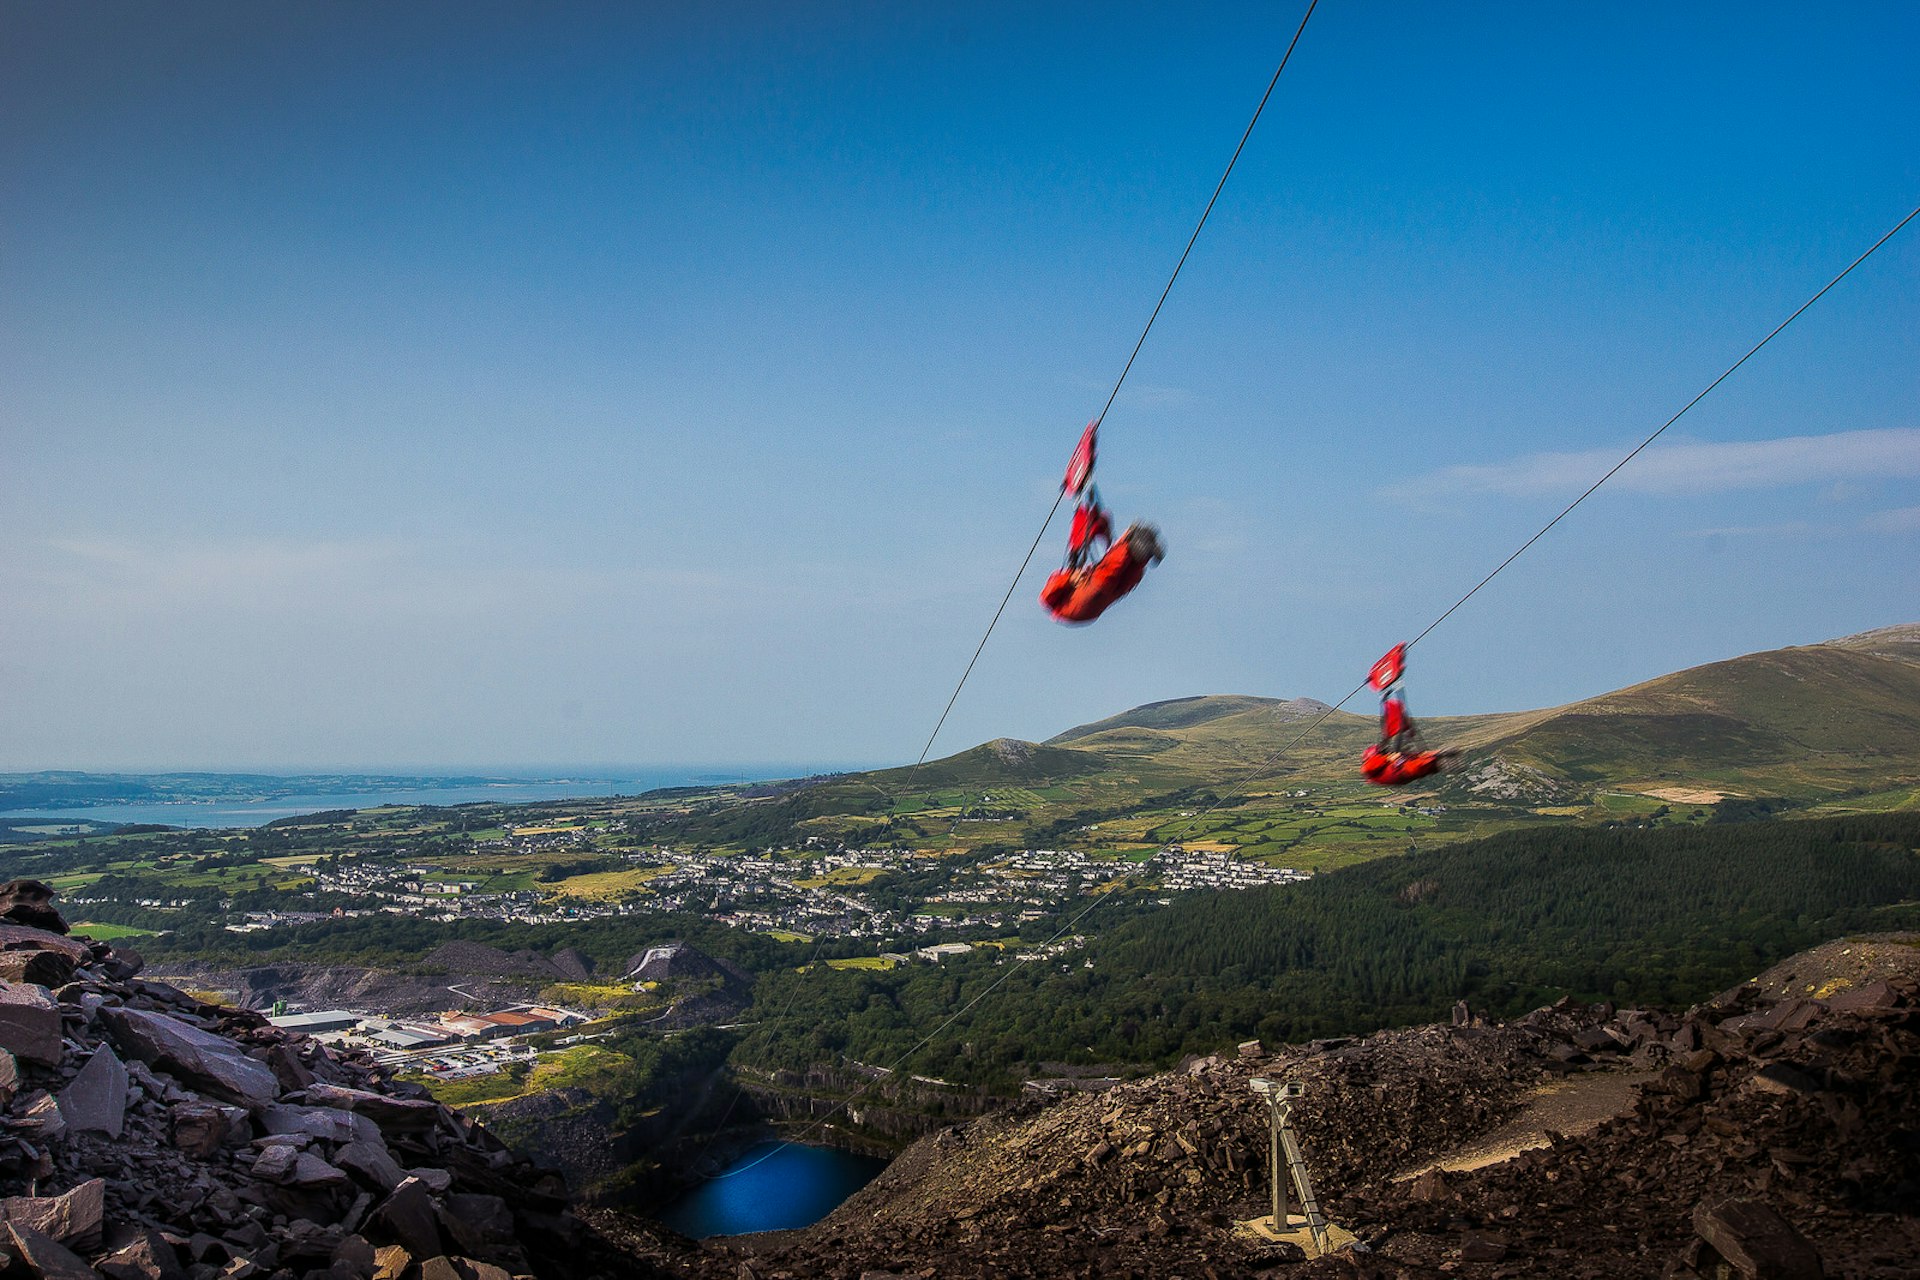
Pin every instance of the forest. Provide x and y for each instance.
(1667, 917)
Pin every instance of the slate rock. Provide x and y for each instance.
(46, 1258)
(1778, 1077)
(276, 1163)
(288, 1069)
(372, 1164)
(96, 1099)
(199, 1128)
(74, 1217)
(357, 1255)
(20, 937)
(208, 1061)
(30, 902)
(446, 1268)
(30, 1023)
(1877, 994)
(123, 963)
(1755, 1241)
(42, 1114)
(331, 1124)
(400, 1114)
(390, 1262)
(408, 1216)
(43, 968)
(477, 1224)
(310, 1171)
(438, 1181)
(148, 1258)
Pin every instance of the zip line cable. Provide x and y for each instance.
(1045, 524)
(1262, 768)
(1119, 382)
(1266, 764)
(1751, 352)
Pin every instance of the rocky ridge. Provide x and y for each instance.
(146, 1135)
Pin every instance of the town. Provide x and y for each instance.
(805, 892)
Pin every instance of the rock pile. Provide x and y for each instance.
(1779, 1139)
(1769, 1139)
(146, 1135)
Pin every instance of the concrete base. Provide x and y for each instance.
(1297, 1232)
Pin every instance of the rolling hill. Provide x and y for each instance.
(1834, 724)
(1799, 722)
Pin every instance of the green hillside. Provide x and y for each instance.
(1833, 725)
(1802, 722)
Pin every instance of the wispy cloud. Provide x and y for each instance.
(1899, 520)
(1687, 468)
(276, 575)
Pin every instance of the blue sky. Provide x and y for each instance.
(488, 384)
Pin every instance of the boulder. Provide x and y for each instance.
(1755, 1241)
(408, 1217)
(96, 1100)
(29, 1023)
(208, 1061)
(46, 1258)
(30, 902)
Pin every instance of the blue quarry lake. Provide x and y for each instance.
(771, 1187)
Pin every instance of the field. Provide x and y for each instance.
(606, 886)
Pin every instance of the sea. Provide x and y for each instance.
(560, 785)
(775, 1186)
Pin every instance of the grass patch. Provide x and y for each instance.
(607, 886)
(108, 932)
(611, 996)
(581, 1066)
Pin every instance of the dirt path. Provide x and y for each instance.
(1573, 1105)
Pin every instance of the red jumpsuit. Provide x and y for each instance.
(1398, 768)
(1081, 595)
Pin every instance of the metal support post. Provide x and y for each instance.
(1285, 1161)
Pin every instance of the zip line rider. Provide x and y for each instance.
(1396, 759)
(1085, 586)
